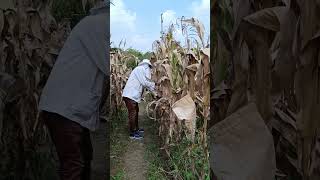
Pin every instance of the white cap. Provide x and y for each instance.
(145, 61)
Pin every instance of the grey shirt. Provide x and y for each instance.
(74, 87)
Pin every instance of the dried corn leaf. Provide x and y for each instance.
(35, 25)
(10, 16)
(309, 25)
(286, 118)
(206, 51)
(239, 95)
(185, 109)
(242, 140)
(267, 18)
(315, 162)
(199, 27)
(286, 131)
(2, 107)
(293, 52)
(193, 67)
(285, 61)
(1, 22)
(240, 10)
(6, 81)
(221, 61)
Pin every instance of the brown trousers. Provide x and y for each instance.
(73, 146)
(133, 114)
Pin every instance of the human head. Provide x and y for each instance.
(146, 61)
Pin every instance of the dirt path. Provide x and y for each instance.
(135, 165)
(130, 158)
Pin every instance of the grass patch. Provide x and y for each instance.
(120, 175)
(118, 142)
(153, 154)
(187, 161)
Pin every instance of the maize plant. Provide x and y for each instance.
(30, 40)
(267, 52)
(119, 76)
(183, 78)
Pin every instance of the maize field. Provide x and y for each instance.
(119, 76)
(267, 52)
(30, 40)
(182, 76)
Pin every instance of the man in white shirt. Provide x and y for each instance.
(75, 91)
(139, 79)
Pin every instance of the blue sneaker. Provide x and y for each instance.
(135, 135)
(141, 130)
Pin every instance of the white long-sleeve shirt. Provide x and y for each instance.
(75, 85)
(139, 78)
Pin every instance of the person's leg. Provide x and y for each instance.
(131, 114)
(137, 116)
(66, 136)
(87, 153)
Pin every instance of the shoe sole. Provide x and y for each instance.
(135, 137)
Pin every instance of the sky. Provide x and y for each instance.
(138, 21)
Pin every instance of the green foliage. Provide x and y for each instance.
(184, 155)
(176, 71)
(155, 170)
(147, 55)
(153, 155)
(118, 140)
(131, 62)
(135, 52)
(119, 176)
(140, 55)
(180, 163)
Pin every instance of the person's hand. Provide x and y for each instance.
(156, 95)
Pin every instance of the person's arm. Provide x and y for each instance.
(144, 77)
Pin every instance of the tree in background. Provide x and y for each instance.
(133, 56)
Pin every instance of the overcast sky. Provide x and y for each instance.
(138, 21)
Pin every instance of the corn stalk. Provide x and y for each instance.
(272, 60)
(183, 76)
(119, 76)
(30, 40)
